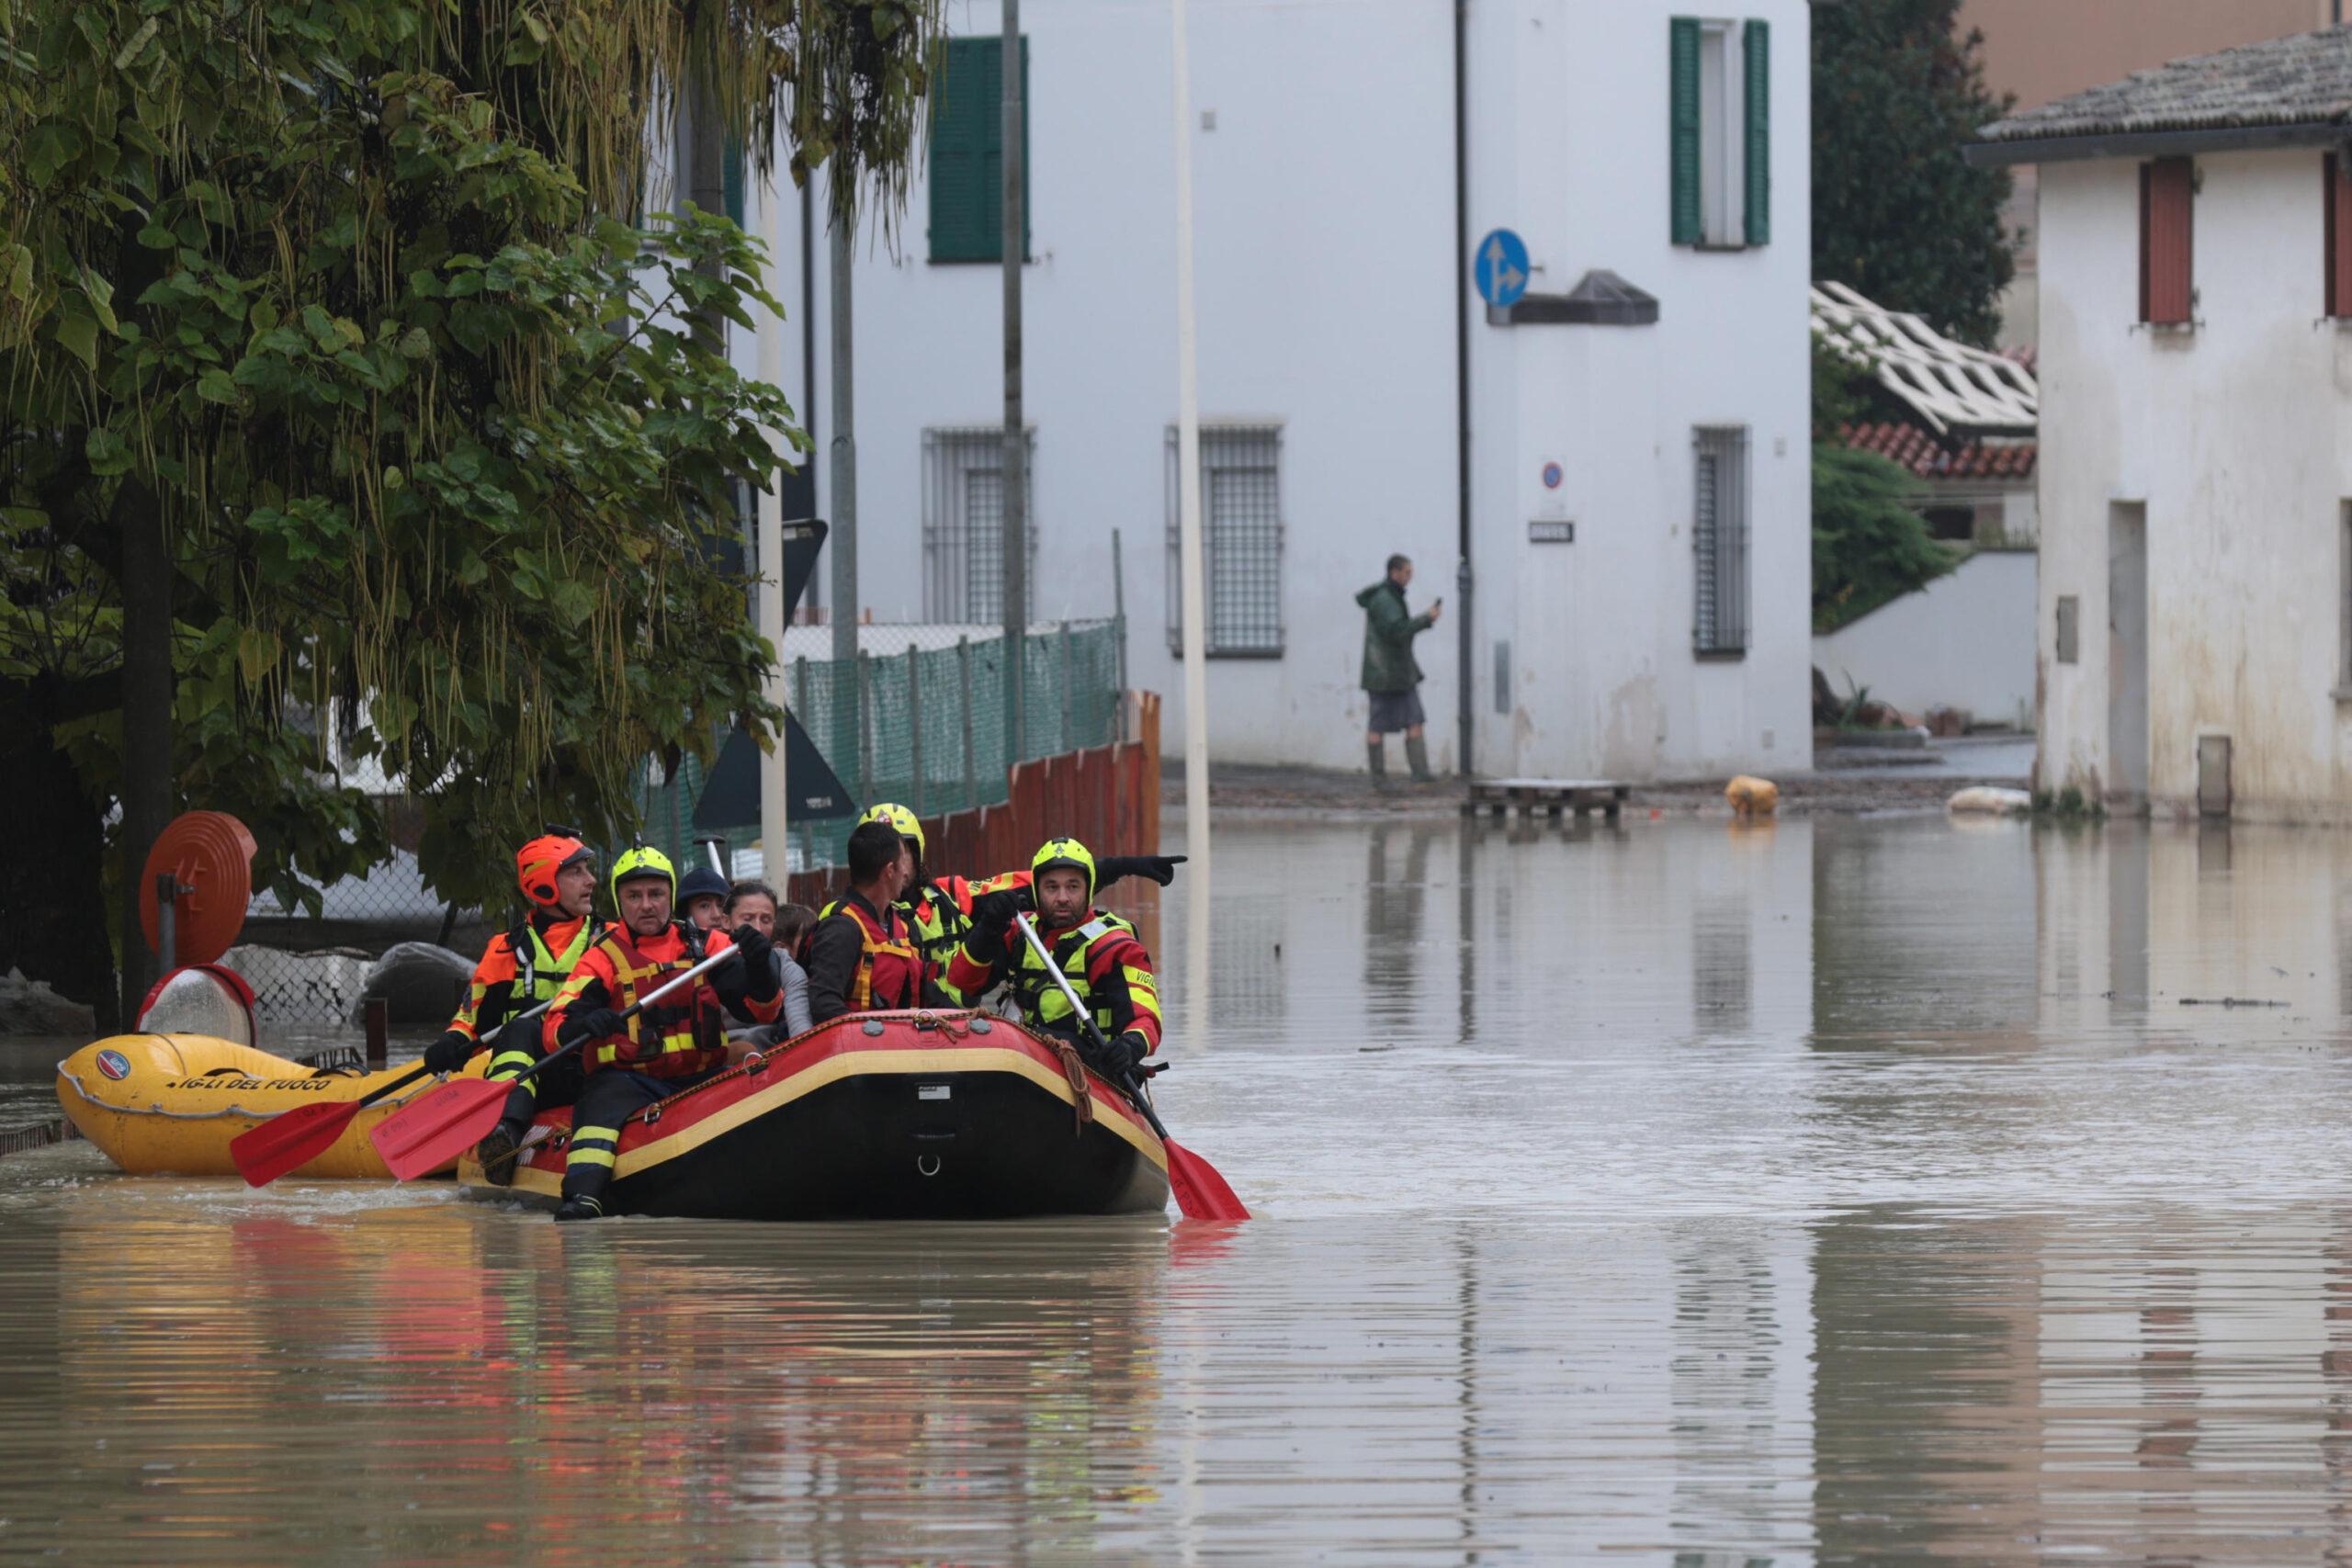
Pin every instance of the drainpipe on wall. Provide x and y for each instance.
(1464, 708)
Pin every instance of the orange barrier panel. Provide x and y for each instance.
(1107, 798)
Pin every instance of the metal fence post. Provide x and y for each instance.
(800, 691)
(914, 727)
(865, 725)
(971, 767)
(1061, 658)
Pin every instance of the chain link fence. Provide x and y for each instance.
(918, 717)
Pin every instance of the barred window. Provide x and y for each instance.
(1241, 541)
(963, 523)
(1719, 541)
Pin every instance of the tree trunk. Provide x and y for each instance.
(148, 788)
(53, 878)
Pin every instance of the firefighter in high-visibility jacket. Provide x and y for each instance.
(672, 1044)
(1096, 951)
(520, 969)
(940, 907)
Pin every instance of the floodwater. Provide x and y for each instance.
(1843, 1190)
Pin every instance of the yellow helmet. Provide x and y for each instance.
(643, 860)
(903, 821)
(1058, 853)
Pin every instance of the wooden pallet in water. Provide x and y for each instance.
(1549, 796)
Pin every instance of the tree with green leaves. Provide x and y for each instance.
(345, 387)
(1897, 212)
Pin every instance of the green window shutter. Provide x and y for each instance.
(1682, 33)
(967, 150)
(1755, 42)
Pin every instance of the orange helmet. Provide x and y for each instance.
(537, 863)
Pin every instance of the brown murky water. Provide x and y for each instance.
(1843, 1191)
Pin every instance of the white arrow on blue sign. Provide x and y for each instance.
(1501, 267)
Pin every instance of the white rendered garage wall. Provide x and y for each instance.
(1963, 641)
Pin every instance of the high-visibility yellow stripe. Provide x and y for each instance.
(857, 1064)
(589, 1157)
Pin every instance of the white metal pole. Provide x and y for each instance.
(1188, 527)
(774, 813)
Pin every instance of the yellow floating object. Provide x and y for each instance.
(160, 1104)
(1753, 797)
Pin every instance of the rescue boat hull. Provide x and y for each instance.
(880, 1116)
(169, 1104)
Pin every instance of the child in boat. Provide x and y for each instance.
(754, 904)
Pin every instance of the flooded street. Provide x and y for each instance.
(1846, 1190)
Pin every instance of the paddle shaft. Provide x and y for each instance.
(1126, 1081)
(639, 1006)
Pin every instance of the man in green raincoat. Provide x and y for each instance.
(1390, 675)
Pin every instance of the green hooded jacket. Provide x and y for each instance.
(1388, 633)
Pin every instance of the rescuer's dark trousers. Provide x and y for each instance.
(558, 1085)
(608, 1098)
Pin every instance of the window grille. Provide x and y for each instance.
(962, 524)
(1719, 541)
(1242, 542)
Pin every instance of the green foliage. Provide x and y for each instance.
(1841, 390)
(1897, 213)
(334, 287)
(1869, 547)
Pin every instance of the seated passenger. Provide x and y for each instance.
(753, 904)
(701, 896)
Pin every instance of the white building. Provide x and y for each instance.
(2196, 279)
(1668, 637)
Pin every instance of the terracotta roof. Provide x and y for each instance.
(2302, 80)
(1950, 386)
(1916, 450)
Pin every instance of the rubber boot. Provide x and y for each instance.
(579, 1206)
(497, 1151)
(1417, 751)
(1376, 757)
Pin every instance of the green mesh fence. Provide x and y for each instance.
(923, 723)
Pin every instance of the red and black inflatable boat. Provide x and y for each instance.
(939, 1115)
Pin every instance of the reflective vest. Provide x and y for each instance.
(889, 970)
(940, 914)
(678, 1036)
(540, 969)
(1042, 1002)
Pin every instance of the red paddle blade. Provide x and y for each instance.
(292, 1138)
(1201, 1193)
(422, 1136)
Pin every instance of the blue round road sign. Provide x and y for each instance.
(1500, 266)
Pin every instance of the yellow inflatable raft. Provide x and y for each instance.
(169, 1103)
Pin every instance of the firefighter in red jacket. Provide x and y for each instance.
(940, 909)
(1097, 953)
(861, 957)
(520, 969)
(629, 1062)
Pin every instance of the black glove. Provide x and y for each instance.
(1159, 868)
(594, 1024)
(1116, 1059)
(448, 1053)
(759, 981)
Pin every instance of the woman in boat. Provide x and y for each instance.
(753, 903)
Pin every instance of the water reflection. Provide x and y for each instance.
(1826, 1190)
